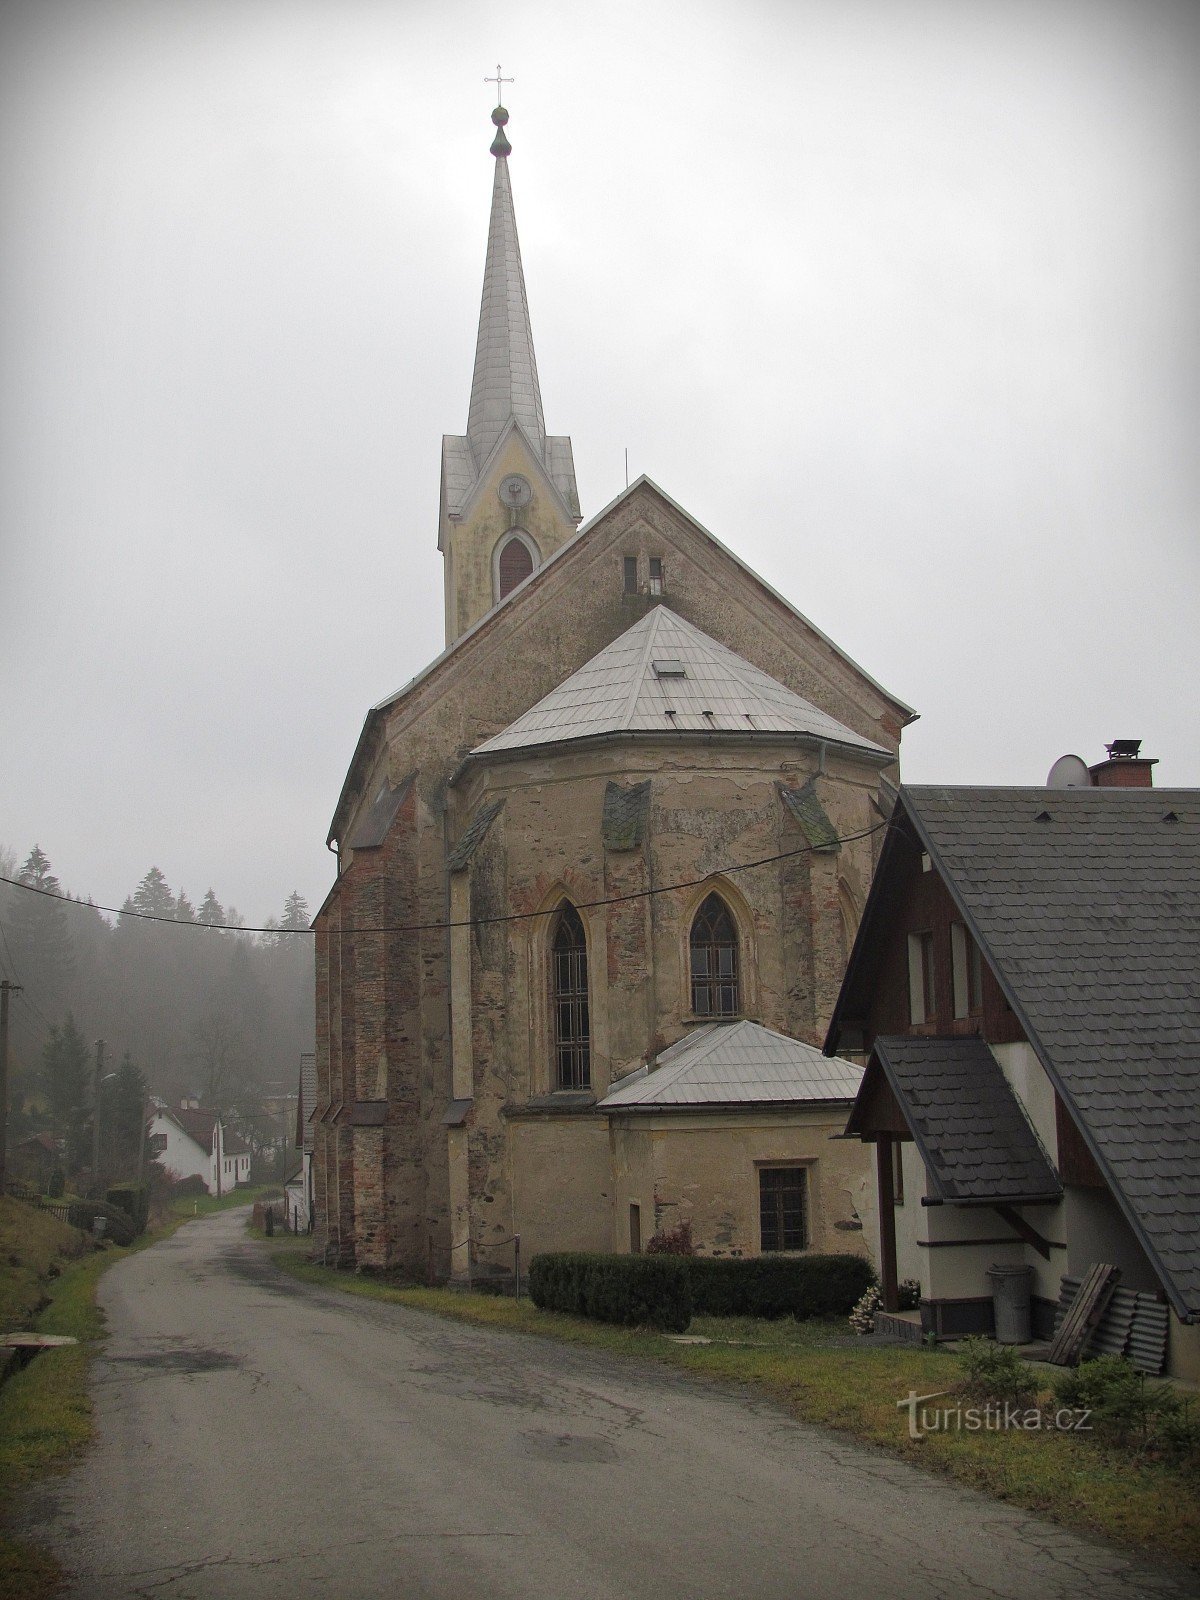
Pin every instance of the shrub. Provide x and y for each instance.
(995, 1372)
(185, 1188)
(1125, 1409)
(118, 1227)
(672, 1242)
(778, 1286)
(862, 1314)
(909, 1295)
(634, 1291)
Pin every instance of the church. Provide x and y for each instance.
(600, 866)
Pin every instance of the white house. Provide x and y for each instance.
(193, 1143)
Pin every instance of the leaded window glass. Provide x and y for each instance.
(714, 961)
(569, 998)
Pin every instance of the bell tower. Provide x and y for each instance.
(508, 495)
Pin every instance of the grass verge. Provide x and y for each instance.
(820, 1375)
(45, 1411)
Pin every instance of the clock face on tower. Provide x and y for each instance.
(515, 491)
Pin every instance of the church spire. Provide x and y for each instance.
(505, 383)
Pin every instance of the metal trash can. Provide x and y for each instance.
(1010, 1299)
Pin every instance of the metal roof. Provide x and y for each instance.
(618, 691)
(731, 1064)
(505, 382)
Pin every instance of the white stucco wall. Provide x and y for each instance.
(183, 1157)
(1027, 1079)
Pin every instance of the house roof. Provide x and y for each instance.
(1086, 905)
(233, 1144)
(973, 1135)
(732, 1064)
(198, 1125)
(665, 676)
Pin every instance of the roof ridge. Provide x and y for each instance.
(635, 690)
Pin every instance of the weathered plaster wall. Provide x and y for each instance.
(703, 1168)
(561, 1194)
(468, 543)
(384, 1008)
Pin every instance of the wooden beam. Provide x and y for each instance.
(885, 1184)
(1024, 1229)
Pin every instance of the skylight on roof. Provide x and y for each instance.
(670, 669)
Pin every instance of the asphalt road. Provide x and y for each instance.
(258, 1438)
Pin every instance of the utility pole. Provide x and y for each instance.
(96, 1076)
(6, 989)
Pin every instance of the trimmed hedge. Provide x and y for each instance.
(634, 1291)
(777, 1286)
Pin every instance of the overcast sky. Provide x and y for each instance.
(898, 299)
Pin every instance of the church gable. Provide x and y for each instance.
(579, 602)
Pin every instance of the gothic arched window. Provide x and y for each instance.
(516, 563)
(714, 960)
(569, 998)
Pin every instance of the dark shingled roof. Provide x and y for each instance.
(474, 836)
(380, 814)
(1090, 920)
(197, 1124)
(810, 814)
(625, 811)
(968, 1124)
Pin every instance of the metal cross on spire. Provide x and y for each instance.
(498, 80)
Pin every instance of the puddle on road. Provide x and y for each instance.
(567, 1447)
(181, 1361)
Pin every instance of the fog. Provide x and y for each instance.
(897, 299)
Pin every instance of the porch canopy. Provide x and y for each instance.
(952, 1098)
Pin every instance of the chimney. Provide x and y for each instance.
(1126, 767)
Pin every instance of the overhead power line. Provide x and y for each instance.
(469, 922)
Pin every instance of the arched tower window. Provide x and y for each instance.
(714, 960)
(515, 565)
(569, 996)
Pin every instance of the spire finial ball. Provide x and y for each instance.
(500, 116)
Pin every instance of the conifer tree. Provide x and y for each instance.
(153, 897)
(295, 911)
(66, 1069)
(211, 911)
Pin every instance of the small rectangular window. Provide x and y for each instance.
(656, 575)
(635, 1230)
(966, 969)
(631, 575)
(921, 1006)
(783, 1208)
(897, 1172)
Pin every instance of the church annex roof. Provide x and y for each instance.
(662, 676)
(734, 1063)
